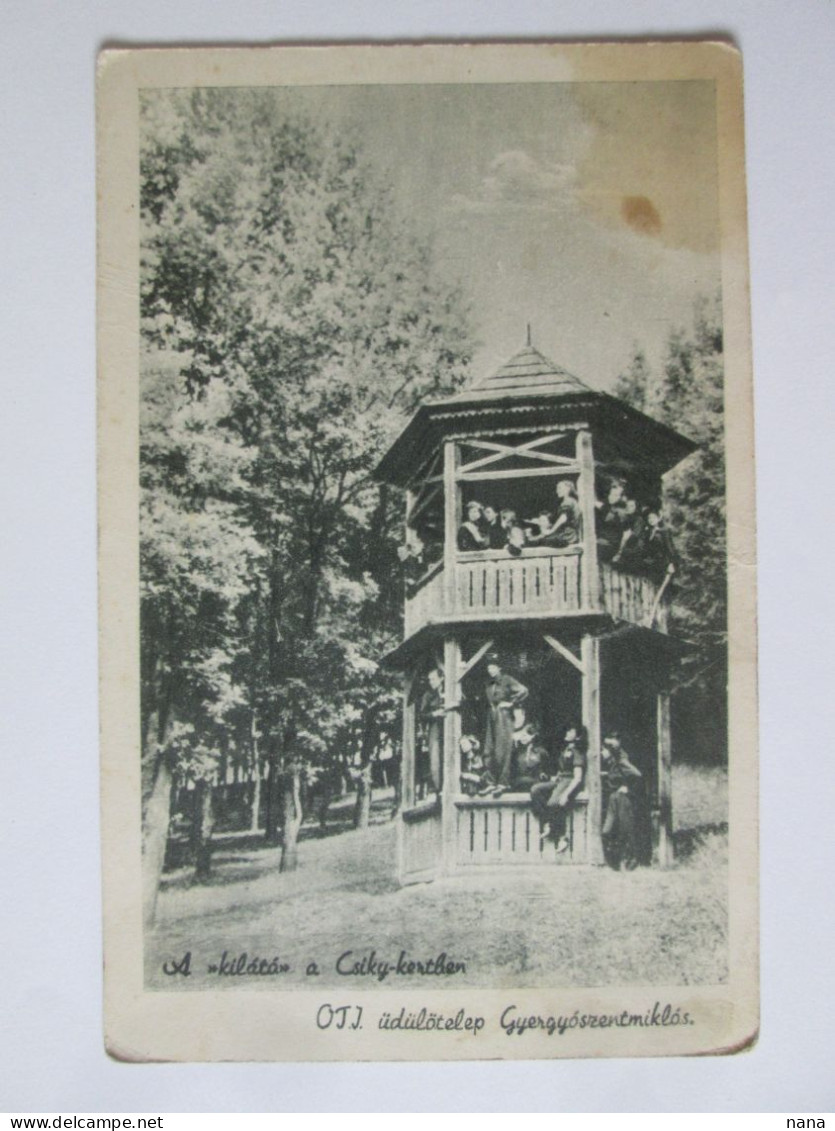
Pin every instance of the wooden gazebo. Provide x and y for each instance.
(588, 637)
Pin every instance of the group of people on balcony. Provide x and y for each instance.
(485, 527)
(511, 758)
(631, 536)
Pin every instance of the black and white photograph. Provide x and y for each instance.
(426, 477)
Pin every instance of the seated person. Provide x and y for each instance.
(473, 771)
(529, 759)
(470, 533)
(609, 521)
(492, 528)
(538, 525)
(514, 534)
(551, 801)
(630, 552)
(623, 793)
(659, 551)
(565, 529)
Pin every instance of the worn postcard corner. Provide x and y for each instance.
(425, 443)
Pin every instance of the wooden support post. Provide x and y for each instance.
(451, 770)
(665, 782)
(451, 523)
(589, 580)
(407, 768)
(407, 771)
(411, 499)
(590, 652)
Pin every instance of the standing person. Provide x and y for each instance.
(551, 801)
(621, 835)
(470, 534)
(431, 714)
(609, 520)
(659, 551)
(411, 556)
(630, 553)
(502, 693)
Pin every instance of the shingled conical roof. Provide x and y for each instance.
(531, 392)
(529, 371)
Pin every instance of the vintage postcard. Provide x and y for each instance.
(428, 655)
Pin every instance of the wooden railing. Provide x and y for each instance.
(426, 602)
(504, 831)
(629, 597)
(546, 581)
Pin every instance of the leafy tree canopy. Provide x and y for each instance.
(290, 322)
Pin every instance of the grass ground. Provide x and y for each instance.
(573, 926)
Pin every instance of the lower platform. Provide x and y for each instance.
(503, 830)
(484, 832)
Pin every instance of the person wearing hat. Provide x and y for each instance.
(528, 759)
(470, 534)
(552, 800)
(502, 693)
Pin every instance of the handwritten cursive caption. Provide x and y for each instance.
(349, 964)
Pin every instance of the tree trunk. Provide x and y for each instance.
(155, 833)
(255, 813)
(362, 808)
(273, 816)
(292, 809)
(397, 774)
(255, 804)
(204, 823)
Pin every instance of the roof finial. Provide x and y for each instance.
(529, 334)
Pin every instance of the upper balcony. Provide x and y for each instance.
(539, 583)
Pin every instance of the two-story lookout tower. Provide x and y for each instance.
(585, 635)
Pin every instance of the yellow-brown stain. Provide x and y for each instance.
(640, 213)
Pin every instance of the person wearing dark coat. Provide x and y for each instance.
(502, 693)
(529, 759)
(660, 555)
(630, 554)
(492, 528)
(609, 522)
(470, 533)
(623, 789)
(551, 801)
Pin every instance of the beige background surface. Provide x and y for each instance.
(255, 1025)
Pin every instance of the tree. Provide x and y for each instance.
(198, 556)
(635, 385)
(689, 396)
(301, 322)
